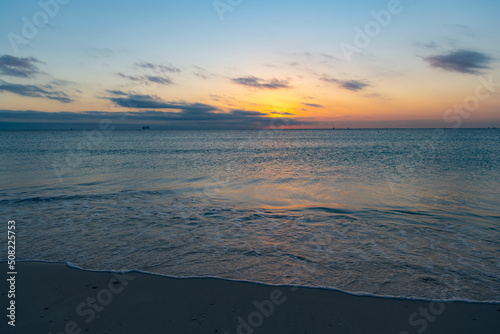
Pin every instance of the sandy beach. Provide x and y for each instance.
(54, 298)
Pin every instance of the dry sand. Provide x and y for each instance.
(53, 298)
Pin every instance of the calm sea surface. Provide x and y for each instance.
(409, 213)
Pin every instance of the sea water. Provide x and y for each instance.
(410, 213)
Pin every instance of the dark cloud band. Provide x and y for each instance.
(183, 119)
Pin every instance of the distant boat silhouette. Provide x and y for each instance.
(146, 128)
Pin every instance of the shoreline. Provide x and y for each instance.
(56, 298)
(356, 294)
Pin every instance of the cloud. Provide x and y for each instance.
(311, 57)
(284, 113)
(162, 68)
(314, 105)
(354, 85)
(116, 92)
(255, 82)
(35, 91)
(460, 28)
(163, 80)
(129, 77)
(183, 119)
(158, 74)
(19, 67)
(99, 53)
(136, 101)
(428, 45)
(373, 96)
(59, 82)
(202, 73)
(377, 96)
(158, 79)
(328, 57)
(463, 61)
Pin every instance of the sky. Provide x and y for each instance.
(249, 64)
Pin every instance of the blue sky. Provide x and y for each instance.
(265, 58)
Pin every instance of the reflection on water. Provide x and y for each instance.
(389, 212)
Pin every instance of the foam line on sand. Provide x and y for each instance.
(54, 298)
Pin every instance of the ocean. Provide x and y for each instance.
(412, 213)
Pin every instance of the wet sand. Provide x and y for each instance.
(54, 298)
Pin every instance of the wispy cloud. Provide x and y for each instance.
(377, 96)
(463, 61)
(328, 57)
(116, 92)
(129, 77)
(54, 84)
(314, 57)
(161, 68)
(157, 74)
(255, 82)
(200, 72)
(284, 113)
(460, 28)
(314, 105)
(35, 91)
(354, 85)
(428, 45)
(159, 79)
(19, 67)
(163, 80)
(99, 53)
